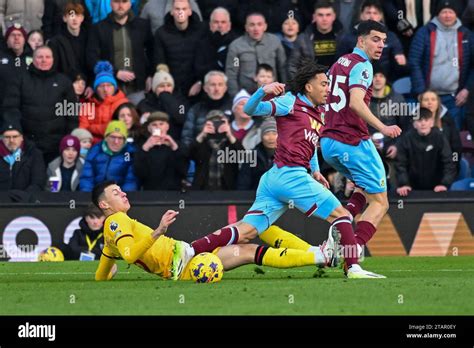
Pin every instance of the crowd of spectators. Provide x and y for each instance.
(150, 93)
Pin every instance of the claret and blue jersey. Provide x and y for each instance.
(345, 143)
(299, 124)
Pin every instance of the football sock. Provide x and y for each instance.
(223, 237)
(279, 238)
(356, 203)
(284, 258)
(364, 232)
(348, 240)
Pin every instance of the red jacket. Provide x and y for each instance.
(96, 114)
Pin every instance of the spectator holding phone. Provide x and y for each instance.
(159, 162)
(215, 170)
(215, 98)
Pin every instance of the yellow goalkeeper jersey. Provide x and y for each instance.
(131, 240)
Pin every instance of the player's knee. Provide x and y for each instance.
(246, 235)
(380, 200)
(340, 212)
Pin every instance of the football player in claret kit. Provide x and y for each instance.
(149, 249)
(345, 139)
(295, 178)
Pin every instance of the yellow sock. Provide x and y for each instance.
(279, 238)
(286, 258)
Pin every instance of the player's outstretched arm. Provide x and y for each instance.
(358, 105)
(107, 268)
(256, 107)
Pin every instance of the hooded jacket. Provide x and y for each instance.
(54, 170)
(96, 116)
(100, 166)
(424, 162)
(422, 55)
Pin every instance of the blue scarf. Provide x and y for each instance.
(13, 157)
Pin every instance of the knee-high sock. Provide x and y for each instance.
(348, 241)
(286, 258)
(364, 232)
(356, 203)
(227, 236)
(279, 238)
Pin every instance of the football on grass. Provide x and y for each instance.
(206, 268)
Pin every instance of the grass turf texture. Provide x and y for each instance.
(421, 285)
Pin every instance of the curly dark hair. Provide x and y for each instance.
(305, 71)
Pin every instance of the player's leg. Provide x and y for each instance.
(264, 209)
(370, 219)
(267, 208)
(313, 199)
(279, 179)
(233, 256)
(361, 164)
(368, 173)
(357, 202)
(337, 155)
(277, 237)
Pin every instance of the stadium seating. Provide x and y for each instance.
(463, 185)
(402, 86)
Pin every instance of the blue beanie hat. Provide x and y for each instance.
(104, 72)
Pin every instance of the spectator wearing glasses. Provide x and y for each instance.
(21, 164)
(111, 159)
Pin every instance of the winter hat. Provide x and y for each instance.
(162, 75)
(268, 125)
(116, 126)
(12, 124)
(69, 141)
(446, 4)
(82, 134)
(16, 26)
(11, 121)
(157, 116)
(242, 95)
(296, 15)
(104, 72)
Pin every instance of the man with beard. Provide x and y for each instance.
(126, 41)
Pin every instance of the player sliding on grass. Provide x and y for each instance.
(346, 143)
(295, 177)
(149, 249)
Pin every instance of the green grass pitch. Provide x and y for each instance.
(415, 286)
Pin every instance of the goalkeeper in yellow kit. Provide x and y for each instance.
(149, 249)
